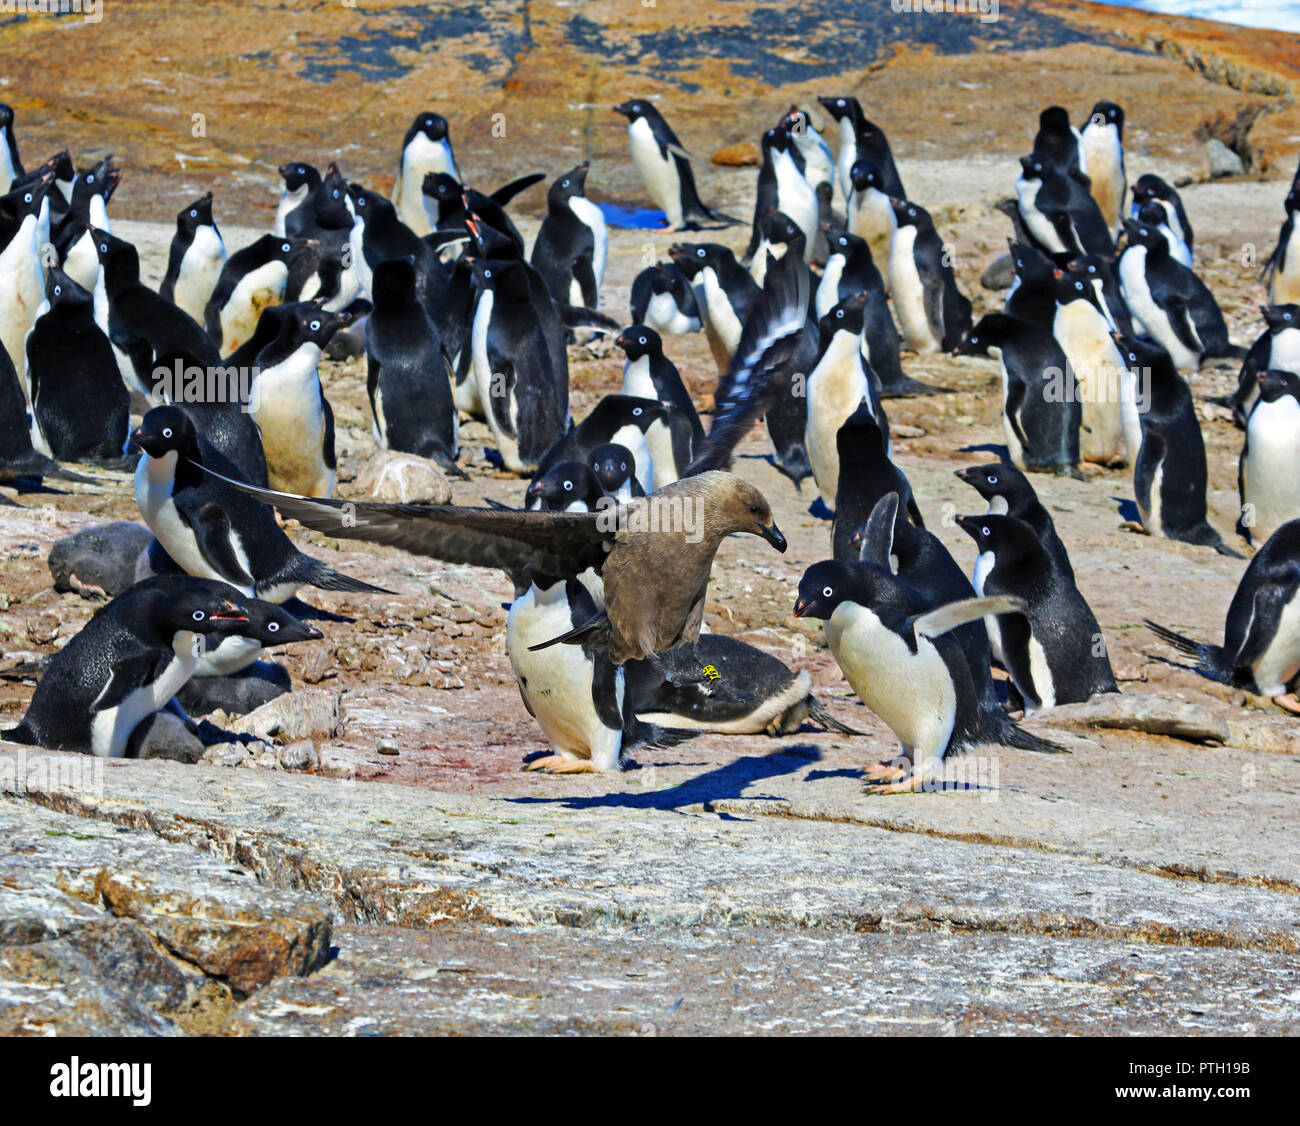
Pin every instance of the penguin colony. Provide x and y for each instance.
(611, 551)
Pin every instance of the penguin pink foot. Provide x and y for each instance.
(561, 764)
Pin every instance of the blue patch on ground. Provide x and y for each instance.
(633, 219)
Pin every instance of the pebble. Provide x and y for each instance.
(388, 747)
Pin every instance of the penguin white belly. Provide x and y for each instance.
(912, 692)
(1035, 221)
(81, 263)
(22, 293)
(1284, 350)
(1014, 446)
(871, 217)
(288, 406)
(110, 728)
(1040, 672)
(796, 198)
(1102, 151)
(1280, 662)
(466, 394)
(983, 566)
(828, 291)
(1177, 248)
(1284, 285)
(254, 292)
(199, 271)
(229, 656)
(658, 172)
(665, 316)
(594, 220)
(154, 480)
(635, 440)
(481, 368)
(835, 388)
(636, 379)
(1084, 337)
(1152, 511)
(1152, 318)
(766, 710)
(722, 317)
(1272, 466)
(909, 294)
(848, 155)
(557, 682)
(7, 171)
(422, 156)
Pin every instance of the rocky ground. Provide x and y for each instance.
(410, 878)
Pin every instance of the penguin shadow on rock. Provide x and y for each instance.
(730, 780)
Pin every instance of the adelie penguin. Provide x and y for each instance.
(1277, 349)
(572, 245)
(1169, 476)
(1261, 637)
(898, 654)
(662, 299)
(11, 165)
(866, 475)
(426, 149)
(614, 468)
(251, 279)
(88, 208)
(211, 529)
(79, 402)
(1040, 418)
(1150, 187)
(870, 210)
(932, 313)
(861, 139)
(196, 259)
(568, 486)
(725, 290)
(1169, 302)
(289, 405)
(1101, 274)
(300, 180)
(19, 461)
(621, 419)
(1270, 458)
(649, 374)
(1101, 145)
(665, 168)
(22, 278)
(778, 235)
(1282, 272)
(782, 187)
(410, 394)
(1009, 493)
(1059, 211)
(124, 665)
(1052, 647)
(1032, 296)
(1059, 141)
(1152, 215)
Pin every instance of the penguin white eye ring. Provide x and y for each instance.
(564, 183)
(198, 615)
(636, 412)
(336, 193)
(194, 214)
(167, 431)
(90, 177)
(641, 340)
(568, 486)
(985, 530)
(103, 247)
(285, 247)
(272, 627)
(314, 326)
(839, 314)
(58, 289)
(827, 592)
(27, 197)
(699, 253)
(993, 478)
(487, 273)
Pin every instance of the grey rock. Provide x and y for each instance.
(1223, 161)
(400, 478)
(999, 273)
(309, 713)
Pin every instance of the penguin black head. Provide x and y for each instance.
(909, 214)
(1151, 214)
(780, 230)
(1107, 113)
(199, 607)
(197, 214)
(991, 331)
(1054, 119)
(27, 199)
(566, 187)
(317, 325)
(61, 290)
(6, 116)
(274, 625)
(844, 242)
(865, 174)
(500, 276)
(432, 125)
(1000, 479)
(562, 485)
(290, 251)
(100, 179)
(613, 466)
(635, 109)
(1279, 317)
(1032, 265)
(119, 259)
(1068, 288)
(1088, 266)
(444, 188)
(859, 432)
(1005, 536)
(368, 204)
(615, 411)
(330, 200)
(1150, 186)
(692, 257)
(1143, 355)
(776, 139)
(165, 430)
(489, 242)
(1034, 166)
(847, 316)
(1140, 233)
(299, 175)
(828, 585)
(665, 277)
(640, 340)
(1274, 385)
(393, 281)
(839, 107)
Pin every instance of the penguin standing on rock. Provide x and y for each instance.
(1169, 476)
(1053, 647)
(212, 530)
(665, 168)
(932, 312)
(196, 258)
(426, 149)
(1261, 637)
(898, 654)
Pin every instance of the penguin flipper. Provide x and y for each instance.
(940, 621)
(878, 532)
(1011, 409)
(134, 669)
(1265, 616)
(507, 192)
(1180, 320)
(585, 276)
(212, 532)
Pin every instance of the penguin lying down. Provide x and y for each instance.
(131, 659)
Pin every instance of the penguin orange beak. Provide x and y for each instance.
(230, 612)
(800, 608)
